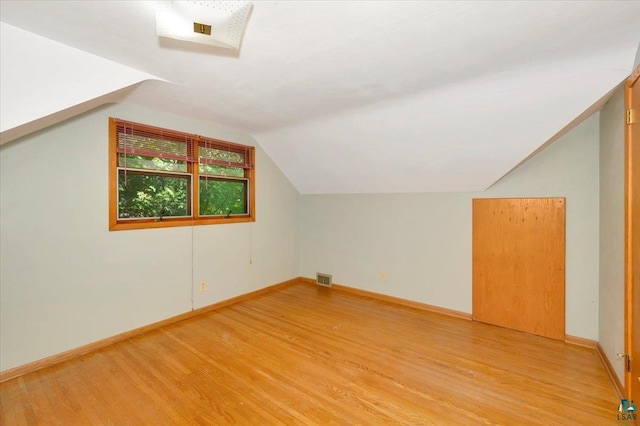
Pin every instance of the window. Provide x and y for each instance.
(160, 178)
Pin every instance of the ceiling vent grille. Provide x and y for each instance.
(324, 280)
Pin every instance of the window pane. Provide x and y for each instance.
(223, 197)
(153, 163)
(208, 153)
(212, 169)
(145, 195)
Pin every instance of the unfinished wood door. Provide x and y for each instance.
(632, 238)
(519, 264)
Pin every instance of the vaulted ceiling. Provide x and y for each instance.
(345, 97)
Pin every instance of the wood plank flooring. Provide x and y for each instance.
(310, 355)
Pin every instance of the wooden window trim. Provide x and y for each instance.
(192, 169)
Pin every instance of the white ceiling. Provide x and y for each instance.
(346, 97)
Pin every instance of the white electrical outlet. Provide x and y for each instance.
(203, 286)
(383, 276)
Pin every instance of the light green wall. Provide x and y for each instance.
(423, 241)
(611, 327)
(66, 281)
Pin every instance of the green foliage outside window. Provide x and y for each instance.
(143, 195)
(220, 197)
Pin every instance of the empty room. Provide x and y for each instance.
(319, 212)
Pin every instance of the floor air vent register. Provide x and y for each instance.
(323, 279)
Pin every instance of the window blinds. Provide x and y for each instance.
(140, 139)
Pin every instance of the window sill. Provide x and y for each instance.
(170, 223)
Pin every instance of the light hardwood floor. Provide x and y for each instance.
(311, 355)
